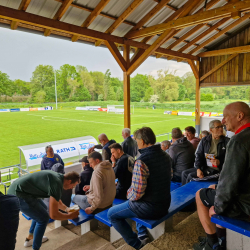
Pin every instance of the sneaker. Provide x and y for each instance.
(204, 246)
(29, 243)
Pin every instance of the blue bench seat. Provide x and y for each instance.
(238, 226)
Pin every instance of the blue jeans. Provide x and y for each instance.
(118, 215)
(9, 221)
(81, 201)
(37, 211)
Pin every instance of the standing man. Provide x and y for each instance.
(31, 188)
(100, 194)
(232, 194)
(123, 166)
(85, 176)
(182, 154)
(129, 145)
(149, 195)
(50, 159)
(104, 146)
(190, 134)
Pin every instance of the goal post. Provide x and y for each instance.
(118, 109)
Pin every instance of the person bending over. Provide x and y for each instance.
(31, 188)
(123, 166)
(231, 196)
(149, 195)
(214, 145)
(101, 191)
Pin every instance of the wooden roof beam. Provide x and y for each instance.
(47, 23)
(168, 5)
(121, 18)
(100, 6)
(194, 68)
(59, 14)
(229, 27)
(204, 17)
(23, 6)
(239, 50)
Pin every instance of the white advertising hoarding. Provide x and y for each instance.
(185, 113)
(24, 109)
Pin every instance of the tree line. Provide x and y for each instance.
(79, 84)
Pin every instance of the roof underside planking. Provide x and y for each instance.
(172, 29)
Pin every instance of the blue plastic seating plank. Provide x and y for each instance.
(174, 185)
(103, 216)
(238, 226)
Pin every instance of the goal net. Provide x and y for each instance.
(118, 109)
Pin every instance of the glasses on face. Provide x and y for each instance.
(221, 126)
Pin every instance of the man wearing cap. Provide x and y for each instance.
(85, 176)
(50, 159)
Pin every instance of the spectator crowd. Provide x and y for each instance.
(140, 172)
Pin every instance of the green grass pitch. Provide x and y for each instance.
(25, 128)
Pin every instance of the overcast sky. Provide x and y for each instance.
(21, 52)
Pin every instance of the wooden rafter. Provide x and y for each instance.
(58, 26)
(206, 16)
(218, 66)
(23, 6)
(101, 5)
(122, 17)
(240, 49)
(194, 68)
(59, 14)
(229, 27)
(166, 35)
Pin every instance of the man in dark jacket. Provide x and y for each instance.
(149, 195)
(182, 154)
(50, 159)
(123, 166)
(104, 146)
(129, 145)
(215, 146)
(231, 196)
(85, 176)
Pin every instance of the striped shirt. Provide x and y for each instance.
(139, 181)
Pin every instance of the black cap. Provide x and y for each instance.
(84, 159)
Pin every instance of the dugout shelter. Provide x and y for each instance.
(213, 36)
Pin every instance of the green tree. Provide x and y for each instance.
(111, 94)
(21, 87)
(98, 78)
(106, 84)
(88, 82)
(149, 92)
(40, 96)
(189, 81)
(5, 85)
(119, 94)
(100, 97)
(82, 94)
(182, 92)
(138, 86)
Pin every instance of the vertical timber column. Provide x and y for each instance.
(197, 102)
(126, 88)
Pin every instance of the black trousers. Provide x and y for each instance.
(188, 175)
(9, 221)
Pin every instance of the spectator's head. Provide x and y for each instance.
(59, 168)
(94, 159)
(84, 161)
(190, 132)
(70, 180)
(125, 133)
(49, 151)
(103, 139)
(176, 134)
(203, 134)
(216, 128)
(116, 150)
(236, 114)
(165, 145)
(144, 137)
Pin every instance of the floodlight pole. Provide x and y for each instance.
(55, 90)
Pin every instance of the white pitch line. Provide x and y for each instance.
(156, 121)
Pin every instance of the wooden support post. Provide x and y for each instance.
(126, 88)
(197, 102)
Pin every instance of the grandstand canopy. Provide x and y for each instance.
(182, 30)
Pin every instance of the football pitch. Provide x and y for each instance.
(25, 128)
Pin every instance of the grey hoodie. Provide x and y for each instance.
(102, 186)
(182, 154)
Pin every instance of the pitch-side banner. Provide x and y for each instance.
(4, 110)
(24, 109)
(185, 113)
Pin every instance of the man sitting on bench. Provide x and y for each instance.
(232, 195)
(31, 188)
(149, 194)
(100, 194)
(123, 166)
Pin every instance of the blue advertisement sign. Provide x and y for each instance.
(14, 110)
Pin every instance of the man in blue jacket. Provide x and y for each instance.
(50, 159)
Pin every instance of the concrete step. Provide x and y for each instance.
(88, 241)
(150, 247)
(125, 247)
(107, 246)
